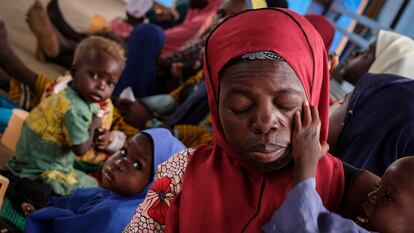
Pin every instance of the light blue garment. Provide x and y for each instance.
(6, 111)
(303, 211)
(97, 209)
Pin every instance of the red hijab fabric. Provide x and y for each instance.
(220, 193)
(324, 27)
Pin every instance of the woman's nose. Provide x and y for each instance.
(266, 119)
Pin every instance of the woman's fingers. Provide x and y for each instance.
(315, 119)
(307, 117)
(297, 126)
(310, 119)
(315, 114)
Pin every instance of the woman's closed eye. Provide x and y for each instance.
(242, 110)
(288, 103)
(288, 108)
(239, 104)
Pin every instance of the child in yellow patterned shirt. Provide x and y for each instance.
(66, 124)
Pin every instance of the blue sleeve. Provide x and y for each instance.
(78, 198)
(303, 211)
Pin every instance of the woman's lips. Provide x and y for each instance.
(266, 152)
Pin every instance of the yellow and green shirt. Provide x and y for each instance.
(44, 148)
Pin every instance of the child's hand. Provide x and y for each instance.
(96, 123)
(306, 147)
(102, 138)
(81, 149)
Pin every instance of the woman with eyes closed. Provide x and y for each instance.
(263, 69)
(127, 176)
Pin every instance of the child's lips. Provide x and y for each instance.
(96, 98)
(363, 217)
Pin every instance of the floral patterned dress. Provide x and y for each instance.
(151, 213)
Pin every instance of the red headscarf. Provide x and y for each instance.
(324, 27)
(220, 192)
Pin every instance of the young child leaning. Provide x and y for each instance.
(67, 124)
(388, 208)
(127, 176)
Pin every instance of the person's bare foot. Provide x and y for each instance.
(40, 25)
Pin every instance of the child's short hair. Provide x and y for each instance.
(98, 43)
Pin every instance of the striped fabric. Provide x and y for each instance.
(193, 80)
(23, 96)
(193, 135)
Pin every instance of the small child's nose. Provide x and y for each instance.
(119, 165)
(372, 197)
(101, 84)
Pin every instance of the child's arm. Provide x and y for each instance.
(81, 149)
(303, 210)
(306, 147)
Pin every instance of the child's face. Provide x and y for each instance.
(389, 207)
(96, 75)
(128, 171)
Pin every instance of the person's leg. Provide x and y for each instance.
(144, 46)
(39, 23)
(57, 19)
(12, 64)
(51, 44)
(4, 80)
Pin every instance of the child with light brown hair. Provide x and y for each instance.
(66, 124)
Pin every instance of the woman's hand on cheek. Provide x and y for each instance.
(306, 146)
